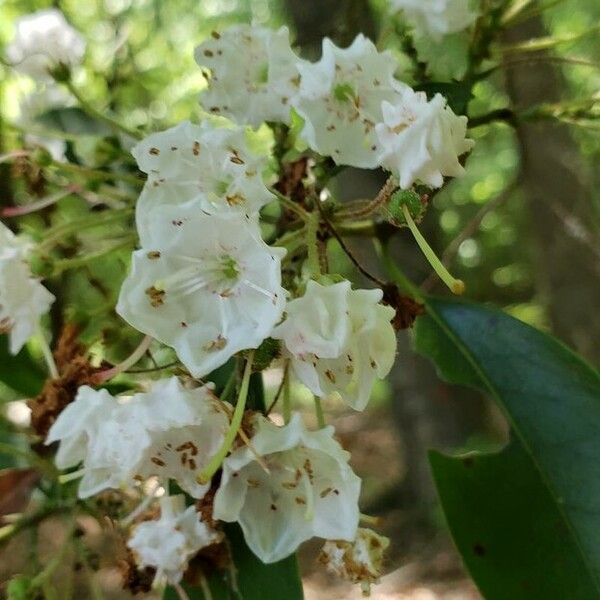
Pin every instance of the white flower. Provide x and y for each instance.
(421, 140)
(43, 40)
(79, 423)
(253, 76)
(169, 432)
(436, 18)
(340, 100)
(23, 299)
(206, 285)
(309, 489)
(168, 543)
(212, 166)
(339, 340)
(359, 561)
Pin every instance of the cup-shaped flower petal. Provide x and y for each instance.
(340, 100)
(23, 299)
(356, 326)
(169, 432)
(422, 139)
(43, 40)
(78, 424)
(436, 18)
(359, 561)
(168, 543)
(252, 74)
(206, 285)
(211, 165)
(309, 489)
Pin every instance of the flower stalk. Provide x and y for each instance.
(213, 466)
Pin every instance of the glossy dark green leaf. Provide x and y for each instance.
(527, 520)
(20, 373)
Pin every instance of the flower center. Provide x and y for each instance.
(218, 275)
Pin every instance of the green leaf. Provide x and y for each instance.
(20, 373)
(73, 121)
(255, 580)
(526, 520)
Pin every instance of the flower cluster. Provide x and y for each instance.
(23, 299)
(213, 279)
(169, 432)
(204, 282)
(353, 107)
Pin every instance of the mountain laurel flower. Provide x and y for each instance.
(44, 40)
(339, 340)
(169, 542)
(211, 166)
(309, 489)
(169, 432)
(340, 100)
(436, 18)
(206, 285)
(359, 561)
(252, 75)
(23, 299)
(422, 139)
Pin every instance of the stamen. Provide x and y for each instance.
(309, 513)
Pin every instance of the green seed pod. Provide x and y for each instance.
(416, 204)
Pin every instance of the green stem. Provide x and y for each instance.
(47, 353)
(301, 212)
(319, 412)
(290, 238)
(104, 175)
(95, 113)
(312, 227)
(456, 286)
(217, 460)
(57, 233)
(384, 194)
(80, 261)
